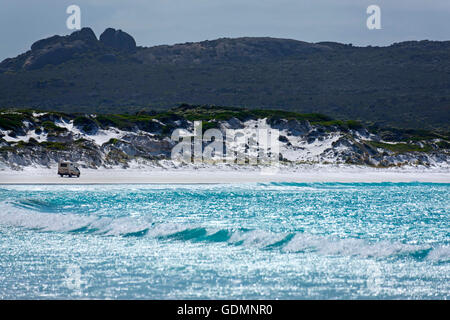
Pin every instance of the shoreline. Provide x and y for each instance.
(209, 175)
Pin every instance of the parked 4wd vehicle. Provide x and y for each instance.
(68, 169)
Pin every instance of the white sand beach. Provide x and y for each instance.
(190, 175)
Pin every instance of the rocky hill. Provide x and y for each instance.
(404, 85)
(35, 138)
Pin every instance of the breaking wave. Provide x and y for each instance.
(31, 216)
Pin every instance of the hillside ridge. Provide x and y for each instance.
(405, 84)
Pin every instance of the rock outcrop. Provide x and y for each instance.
(58, 49)
(118, 40)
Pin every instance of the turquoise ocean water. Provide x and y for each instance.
(242, 241)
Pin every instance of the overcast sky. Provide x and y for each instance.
(154, 22)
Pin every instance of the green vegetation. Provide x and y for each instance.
(54, 145)
(6, 149)
(220, 113)
(113, 141)
(168, 129)
(50, 127)
(443, 144)
(209, 125)
(80, 141)
(354, 125)
(55, 114)
(399, 147)
(32, 142)
(343, 125)
(85, 123)
(123, 122)
(410, 134)
(117, 156)
(12, 120)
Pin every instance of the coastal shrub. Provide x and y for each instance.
(341, 124)
(398, 134)
(169, 116)
(54, 145)
(354, 125)
(11, 121)
(50, 126)
(113, 141)
(399, 147)
(117, 156)
(289, 115)
(209, 125)
(207, 113)
(27, 112)
(443, 144)
(6, 149)
(84, 123)
(31, 142)
(81, 141)
(168, 129)
(119, 121)
(332, 123)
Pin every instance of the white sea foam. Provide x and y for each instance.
(350, 247)
(257, 238)
(441, 254)
(43, 221)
